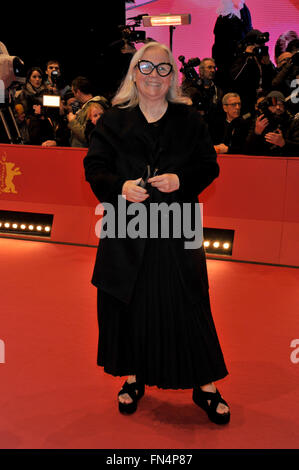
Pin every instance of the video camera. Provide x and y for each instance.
(255, 37)
(188, 68)
(128, 32)
(12, 71)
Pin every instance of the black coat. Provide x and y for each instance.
(120, 148)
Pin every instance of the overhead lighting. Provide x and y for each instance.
(166, 20)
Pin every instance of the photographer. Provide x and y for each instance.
(83, 92)
(287, 71)
(205, 95)
(252, 70)
(31, 94)
(54, 81)
(274, 132)
(230, 131)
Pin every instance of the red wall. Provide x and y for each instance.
(255, 196)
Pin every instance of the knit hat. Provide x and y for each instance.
(276, 94)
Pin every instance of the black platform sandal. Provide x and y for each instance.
(201, 398)
(135, 391)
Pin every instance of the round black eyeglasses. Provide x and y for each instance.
(146, 67)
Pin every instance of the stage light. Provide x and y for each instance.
(25, 223)
(218, 241)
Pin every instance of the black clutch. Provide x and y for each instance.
(146, 175)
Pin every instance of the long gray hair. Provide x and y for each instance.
(227, 7)
(127, 94)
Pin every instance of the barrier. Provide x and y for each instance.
(255, 196)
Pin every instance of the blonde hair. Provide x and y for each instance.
(127, 94)
(94, 105)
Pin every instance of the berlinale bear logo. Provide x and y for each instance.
(8, 171)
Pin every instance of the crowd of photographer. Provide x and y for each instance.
(50, 113)
(250, 105)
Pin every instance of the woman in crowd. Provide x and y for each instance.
(32, 93)
(155, 322)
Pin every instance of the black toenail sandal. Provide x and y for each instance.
(201, 398)
(131, 390)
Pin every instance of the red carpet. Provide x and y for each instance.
(53, 396)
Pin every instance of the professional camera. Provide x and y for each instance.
(254, 37)
(129, 34)
(56, 79)
(260, 51)
(263, 108)
(75, 106)
(188, 68)
(12, 74)
(12, 70)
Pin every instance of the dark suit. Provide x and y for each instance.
(120, 148)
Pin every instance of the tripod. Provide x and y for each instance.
(10, 125)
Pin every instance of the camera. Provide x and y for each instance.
(262, 38)
(56, 78)
(260, 51)
(263, 108)
(12, 69)
(129, 34)
(75, 107)
(188, 68)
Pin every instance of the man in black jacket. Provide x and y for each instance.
(230, 131)
(206, 96)
(252, 70)
(275, 132)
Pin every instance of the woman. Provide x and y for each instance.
(232, 25)
(94, 112)
(31, 96)
(155, 323)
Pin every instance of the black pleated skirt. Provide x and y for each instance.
(161, 336)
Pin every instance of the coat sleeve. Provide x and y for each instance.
(99, 164)
(203, 168)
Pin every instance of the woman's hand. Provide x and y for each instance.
(132, 192)
(166, 183)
